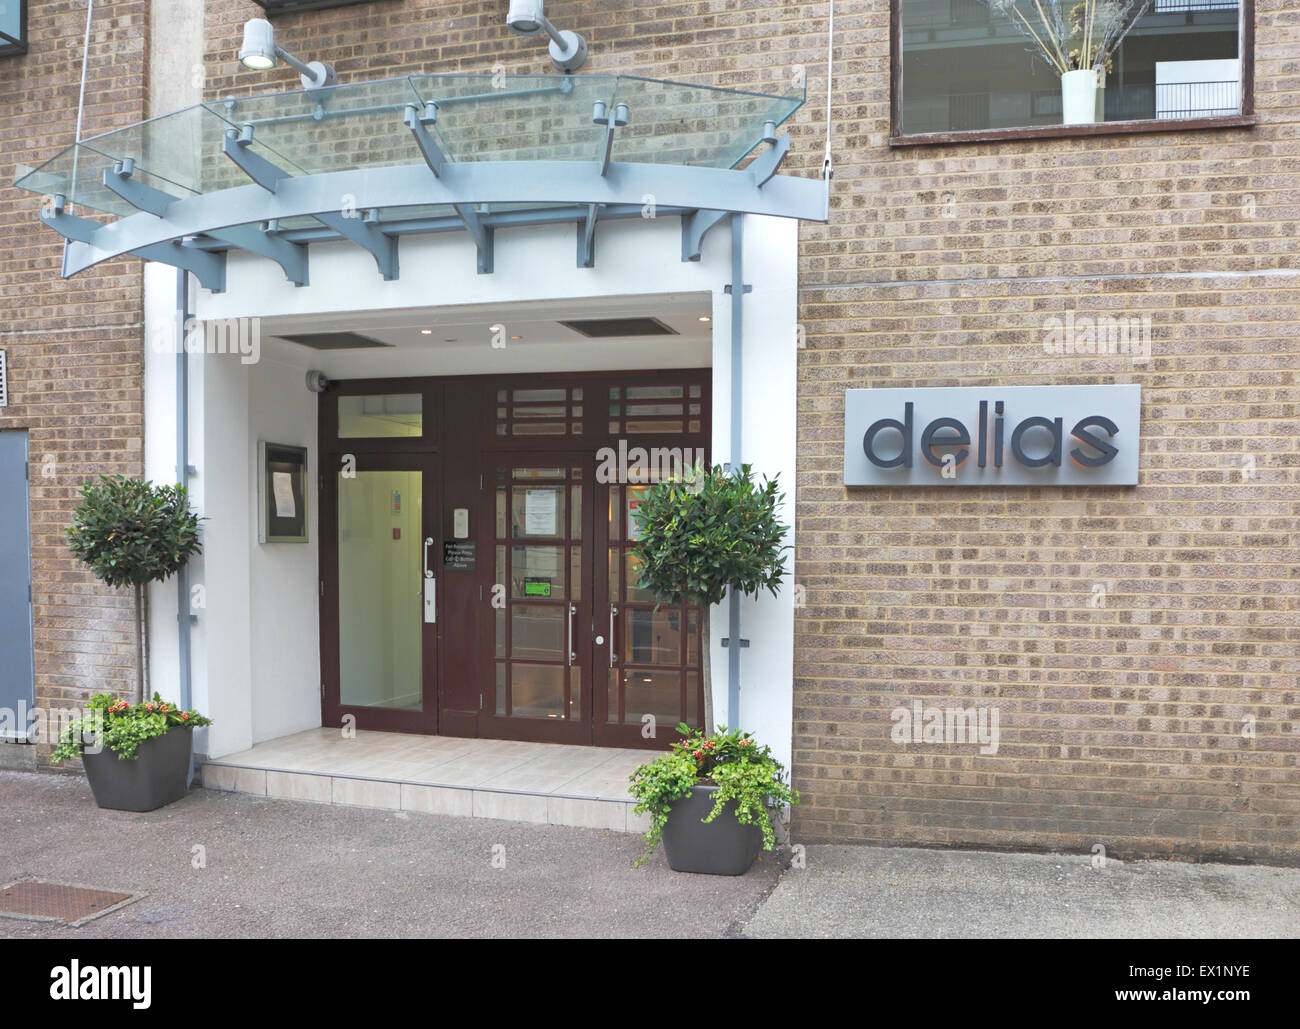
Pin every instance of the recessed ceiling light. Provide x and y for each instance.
(426, 332)
(494, 328)
(516, 337)
(449, 340)
(705, 318)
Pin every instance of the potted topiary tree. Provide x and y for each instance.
(711, 797)
(132, 533)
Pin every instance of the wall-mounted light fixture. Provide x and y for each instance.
(260, 53)
(568, 49)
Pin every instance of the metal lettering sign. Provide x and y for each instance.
(992, 436)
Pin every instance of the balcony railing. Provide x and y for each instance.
(1197, 99)
(956, 112)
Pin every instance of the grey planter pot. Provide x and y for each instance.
(157, 776)
(724, 846)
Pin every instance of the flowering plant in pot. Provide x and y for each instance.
(1077, 39)
(711, 801)
(136, 757)
(132, 533)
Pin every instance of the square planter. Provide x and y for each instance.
(158, 775)
(724, 846)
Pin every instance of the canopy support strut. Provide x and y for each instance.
(208, 268)
(292, 257)
(434, 157)
(363, 232)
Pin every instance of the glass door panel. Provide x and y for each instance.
(383, 667)
(381, 600)
(653, 676)
(541, 622)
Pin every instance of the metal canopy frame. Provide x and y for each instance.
(196, 232)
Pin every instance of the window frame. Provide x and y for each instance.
(275, 8)
(897, 138)
(10, 47)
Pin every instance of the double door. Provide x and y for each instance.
(567, 648)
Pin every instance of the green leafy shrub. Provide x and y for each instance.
(121, 727)
(131, 533)
(706, 533)
(745, 774)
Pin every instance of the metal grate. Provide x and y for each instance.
(60, 902)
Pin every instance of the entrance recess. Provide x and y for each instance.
(477, 571)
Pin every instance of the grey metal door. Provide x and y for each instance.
(16, 678)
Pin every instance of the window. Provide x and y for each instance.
(972, 69)
(13, 27)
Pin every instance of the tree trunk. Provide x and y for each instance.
(139, 644)
(706, 653)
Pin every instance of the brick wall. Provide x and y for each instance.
(1127, 636)
(74, 346)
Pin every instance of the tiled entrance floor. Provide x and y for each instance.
(524, 782)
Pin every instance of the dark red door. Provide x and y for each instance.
(539, 519)
(379, 597)
(649, 669)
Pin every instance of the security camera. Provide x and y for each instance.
(317, 382)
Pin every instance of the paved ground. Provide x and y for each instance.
(284, 869)
(906, 892)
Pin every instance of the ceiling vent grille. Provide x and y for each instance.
(335, 341)
(613, 328)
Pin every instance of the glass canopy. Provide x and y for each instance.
(374, 161)
(359, 125)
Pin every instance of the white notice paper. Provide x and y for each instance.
(539, 512)
(282, 486)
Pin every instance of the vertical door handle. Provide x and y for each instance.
(613, 611)
(572, 610)
(430, 587)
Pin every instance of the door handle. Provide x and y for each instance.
(572, 610)
(430, 590)
(612, 612)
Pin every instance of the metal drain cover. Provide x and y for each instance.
(59, 902)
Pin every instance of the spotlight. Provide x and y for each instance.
(260, 53)
(568, 49)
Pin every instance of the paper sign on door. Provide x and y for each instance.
(539, 512)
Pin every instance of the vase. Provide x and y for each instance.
(1079, 97)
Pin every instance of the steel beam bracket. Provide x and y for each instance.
(766, 164)
(618, 119)
(364, 233)
(208, 268)
(694, 228)
(482, 234)
(291, 257)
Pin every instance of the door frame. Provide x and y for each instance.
(333, 710)
(441, 444)
(541, 730)
(613, 655)
(25, 666)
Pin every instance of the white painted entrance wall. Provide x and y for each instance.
(255, 643)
